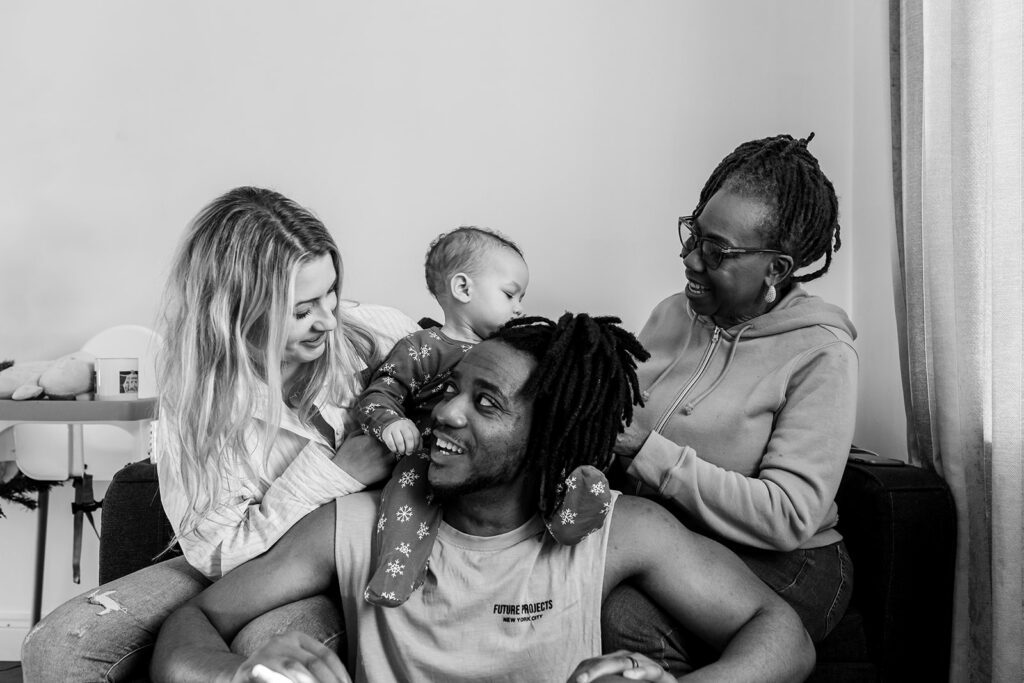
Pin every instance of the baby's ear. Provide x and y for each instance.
(461, 286)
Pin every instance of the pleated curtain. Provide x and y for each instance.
(957, 104)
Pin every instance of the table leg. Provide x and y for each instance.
(37, 589)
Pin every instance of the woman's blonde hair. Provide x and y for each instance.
(226, 310)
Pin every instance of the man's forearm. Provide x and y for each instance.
(190, 649)
(771, 646)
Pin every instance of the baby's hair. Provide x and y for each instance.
(583, 391)
(460, 250)
(803, 217)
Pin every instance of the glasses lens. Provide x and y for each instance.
(711, 254)
(689, 244)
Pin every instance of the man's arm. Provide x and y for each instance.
(709, 591)
(192, 645)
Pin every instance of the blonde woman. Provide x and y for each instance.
(261, 359)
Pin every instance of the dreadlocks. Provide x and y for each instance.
(803, 219)
(583, 392)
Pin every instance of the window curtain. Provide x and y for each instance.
(957, 105)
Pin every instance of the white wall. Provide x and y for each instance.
(581, 129)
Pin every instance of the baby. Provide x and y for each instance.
(479, 278)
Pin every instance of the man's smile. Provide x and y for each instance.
(444, 446)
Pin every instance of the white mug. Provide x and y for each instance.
(117, 379)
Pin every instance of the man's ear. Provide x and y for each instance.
(780, 268)
(461, 286)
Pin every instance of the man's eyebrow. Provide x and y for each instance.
(483, 383)
(491, 387)
(334, 286)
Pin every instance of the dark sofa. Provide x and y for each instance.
(899, 526)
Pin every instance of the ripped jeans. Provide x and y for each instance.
(108, 634)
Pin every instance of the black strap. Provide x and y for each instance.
(85, 503)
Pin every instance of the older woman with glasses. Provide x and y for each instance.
(750, 394)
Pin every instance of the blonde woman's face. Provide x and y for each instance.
(312, 314)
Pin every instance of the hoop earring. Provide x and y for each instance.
(769, 296)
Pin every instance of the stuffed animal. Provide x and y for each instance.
(64, 378)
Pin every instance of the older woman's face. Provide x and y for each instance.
(734, 291)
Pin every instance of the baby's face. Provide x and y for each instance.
(497, 292)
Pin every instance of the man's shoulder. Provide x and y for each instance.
(639, 523)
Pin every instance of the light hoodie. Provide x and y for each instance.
(751, 425)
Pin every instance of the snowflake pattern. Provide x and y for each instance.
(606, 508)
(387, 368)
(404, 548)
(395, 568)
(433, 335)
(404, 513)
(413, 353)
(408, 478)
(389, 380)
(370, 407)
(568, 517)
(422, 531)
(381, 522)
(571, 483)
(425, 351)
(597, 488)
(390, 595)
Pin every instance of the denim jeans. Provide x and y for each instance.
(108, 634)
(816, 582)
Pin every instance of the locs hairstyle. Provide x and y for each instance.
(803, 218)
(583, 390)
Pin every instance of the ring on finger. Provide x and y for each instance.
(632, 660)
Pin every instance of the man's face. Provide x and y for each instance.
(482, 424)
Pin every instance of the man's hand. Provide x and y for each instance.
(401, 437)
(292, 657)
(619, 666)
(364, 458)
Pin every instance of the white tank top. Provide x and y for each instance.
(514, 607)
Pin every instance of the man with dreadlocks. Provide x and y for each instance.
(750, 393)
(503, 601)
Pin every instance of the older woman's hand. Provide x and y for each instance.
(631, 440)
(364, 458)
(619, 666)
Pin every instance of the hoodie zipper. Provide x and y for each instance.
(708, 353)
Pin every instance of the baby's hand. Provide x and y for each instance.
(401, 437)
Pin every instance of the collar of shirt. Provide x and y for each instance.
(332, 414)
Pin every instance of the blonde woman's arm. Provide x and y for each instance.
(250, 516)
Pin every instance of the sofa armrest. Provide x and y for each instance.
(899, 524)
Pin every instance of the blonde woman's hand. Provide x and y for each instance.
(619, 666)
(364, 458)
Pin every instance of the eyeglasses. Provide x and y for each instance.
(711, 252)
